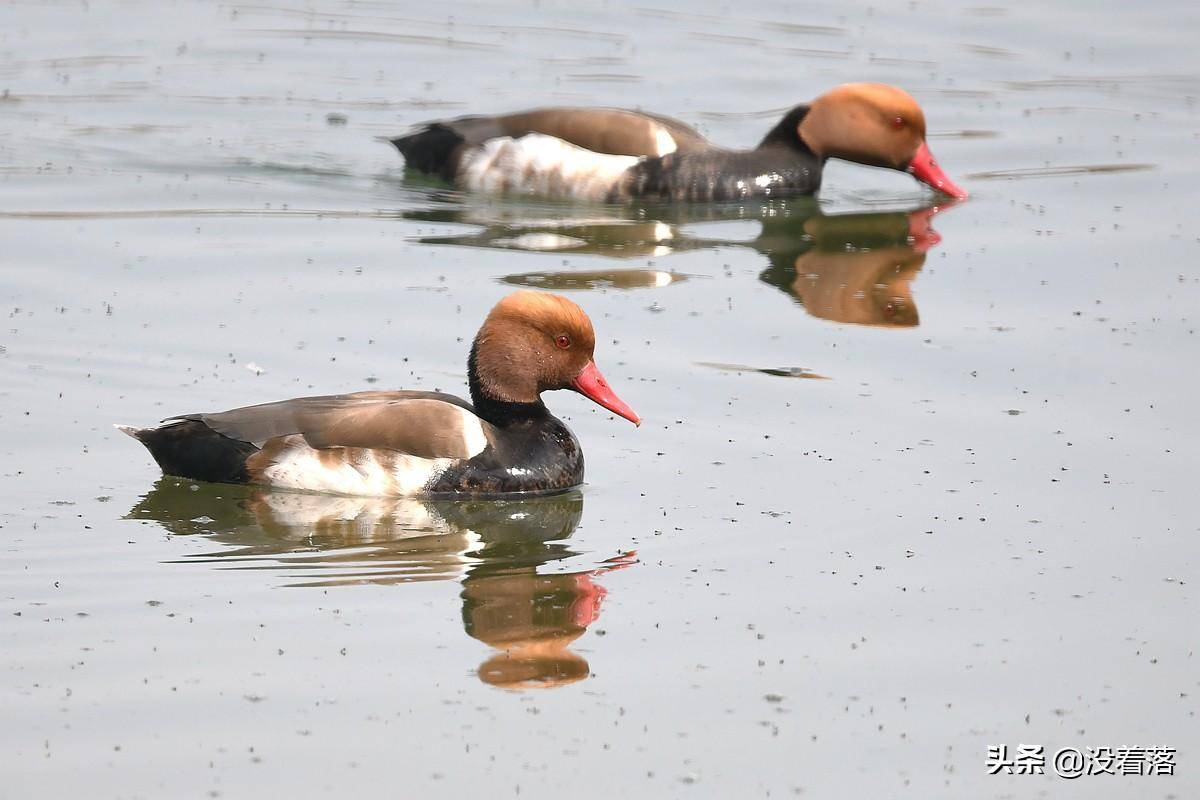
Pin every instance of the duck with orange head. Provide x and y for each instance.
(613, 155)
(412, 443)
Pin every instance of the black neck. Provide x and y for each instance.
(501, 413)
(786, 133)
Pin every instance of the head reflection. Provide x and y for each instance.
(848, 268)
(494, 547)
(531, 620)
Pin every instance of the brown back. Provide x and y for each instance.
(601, 130)
(423, 424)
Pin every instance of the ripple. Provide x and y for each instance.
(964, 134)
(990, 52)
(373, 36)
(1058, 172)
(157, 213)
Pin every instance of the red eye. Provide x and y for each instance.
(563, 341)
(898, 123)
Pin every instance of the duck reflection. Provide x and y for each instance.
(494, 547)
(848, 268)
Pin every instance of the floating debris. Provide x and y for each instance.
(779, 372)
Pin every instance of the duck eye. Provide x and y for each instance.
(898, 122)
(563, 341)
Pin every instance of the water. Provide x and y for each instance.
(969, 524)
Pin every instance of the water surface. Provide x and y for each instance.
(973, 526)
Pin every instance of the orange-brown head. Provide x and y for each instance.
(533, 342)
(877, 125)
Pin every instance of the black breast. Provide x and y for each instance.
(714, 175)
(531, 455)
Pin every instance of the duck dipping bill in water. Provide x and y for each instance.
(410, 443)
(611, 155)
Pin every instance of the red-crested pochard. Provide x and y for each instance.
(611, 155)
(408, 443)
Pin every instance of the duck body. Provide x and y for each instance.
(616, 156)
(408, 443)
(535, 453)
(716, 175)
(653, 159)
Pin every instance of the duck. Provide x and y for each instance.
(415, 443)
(609, 155)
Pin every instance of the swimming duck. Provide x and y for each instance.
(611, 155)
(412, 443)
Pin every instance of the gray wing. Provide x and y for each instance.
(424, 424)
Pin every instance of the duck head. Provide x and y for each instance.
(877, 125)
(533, 342)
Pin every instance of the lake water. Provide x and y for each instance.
(894, 500)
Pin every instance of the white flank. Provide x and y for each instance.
(474, 440)
(301, 468)
(536, 164)
(664, 141)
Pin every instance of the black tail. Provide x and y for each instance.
(434, 150)
(191, 449)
